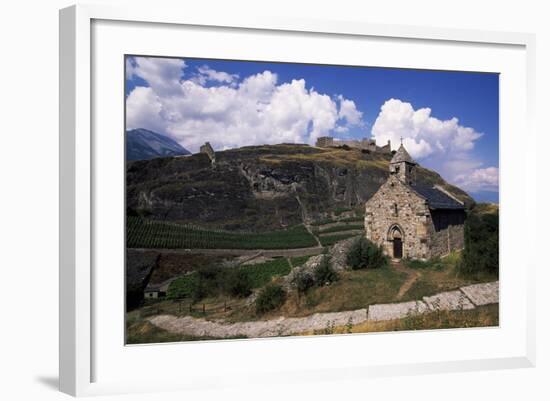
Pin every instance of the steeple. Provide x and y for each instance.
(403, 166)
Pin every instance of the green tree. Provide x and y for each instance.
(480, 252)
(364, 254)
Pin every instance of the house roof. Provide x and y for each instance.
(436, 198)
(402, 156)
(139, 266)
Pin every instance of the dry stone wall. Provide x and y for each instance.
(445, 241)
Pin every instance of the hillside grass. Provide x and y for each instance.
(353, 290)
(333, 239)
(143, 233)
(144, 332)
(441, 274)
(338, 157)
(342, 227)
(483, 316)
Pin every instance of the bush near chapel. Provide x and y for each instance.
(324, 273)
(271, 297)
(364, 254)
(480, 252)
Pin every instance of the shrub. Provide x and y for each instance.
(324, 273)
(270, 298)
(302, 281)
(433, 263)
(364, 254)
(183, 287)
(238, 283)
(480, 252)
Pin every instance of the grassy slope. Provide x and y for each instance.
(484, 316)
(441, 275)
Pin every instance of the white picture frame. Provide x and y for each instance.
(81, 344)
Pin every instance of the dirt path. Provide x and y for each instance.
(412, 277)
(314, 250)
(468, 297)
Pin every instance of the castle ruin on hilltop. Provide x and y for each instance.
(209, 151)
(363, 144)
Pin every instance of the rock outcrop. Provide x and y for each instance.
(260, 187)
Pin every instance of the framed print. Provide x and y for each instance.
(290, 209)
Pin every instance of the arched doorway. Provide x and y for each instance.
(396, 237)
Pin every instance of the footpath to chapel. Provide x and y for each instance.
(467, 297)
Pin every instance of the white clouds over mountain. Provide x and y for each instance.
(197, 104)
(228, 113)
(422, 134)
(447, 143)
(482, 179)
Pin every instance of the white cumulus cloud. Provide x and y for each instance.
(481, 179)
(234, 112)
(423, 134)
(444, 145)
(206, 74)
(162, 74)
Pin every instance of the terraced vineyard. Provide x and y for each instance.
(142, 233)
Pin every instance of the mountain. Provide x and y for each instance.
(262, 187)
(142, 144)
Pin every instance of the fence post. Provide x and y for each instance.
(203, 309)
(225, 306)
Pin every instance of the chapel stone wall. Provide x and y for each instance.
(396, 204)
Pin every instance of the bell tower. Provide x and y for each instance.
(403, 166)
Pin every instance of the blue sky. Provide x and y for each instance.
(449, 120)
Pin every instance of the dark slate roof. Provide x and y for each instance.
(436, 198)
(402, 156)
(139, 266)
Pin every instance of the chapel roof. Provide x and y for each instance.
(402, 156)
(436, 198)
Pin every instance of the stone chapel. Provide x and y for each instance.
(410, 220)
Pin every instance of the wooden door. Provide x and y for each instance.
(397, 248)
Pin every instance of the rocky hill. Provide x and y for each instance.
(261, 187)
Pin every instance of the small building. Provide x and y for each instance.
(153, 292)
(410, 220)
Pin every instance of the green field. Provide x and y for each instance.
(333, 239)
(299, 260)
(142, 233)
(343, 227)
(259, 274)
(358, 219)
